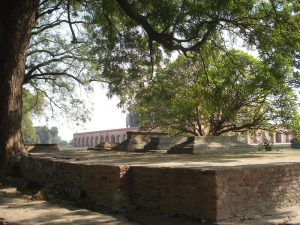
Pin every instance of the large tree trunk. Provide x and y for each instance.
(16, 20)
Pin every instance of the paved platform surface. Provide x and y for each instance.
(207, 161)
(16, 208)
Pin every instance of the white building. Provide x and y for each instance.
(90, 139)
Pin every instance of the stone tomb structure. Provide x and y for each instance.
(212, 144)
(207, 189)
(156, 141)
(137, 140)
(41, 147)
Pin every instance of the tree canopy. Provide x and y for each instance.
(124, 43)
(214, 95)
(48, 135)
(56, 62)
(130, 41)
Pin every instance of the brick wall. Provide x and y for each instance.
(258, 190)
(174, 191)
(100, 183)
(205, 194)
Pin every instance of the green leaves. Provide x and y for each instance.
(232, 92)
(57, 68)
(33, 106)
(212, 90)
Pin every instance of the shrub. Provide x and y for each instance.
(266, 145)
(295, 143)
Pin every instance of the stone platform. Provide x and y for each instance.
(211, 144)
(206, 188)
(155, 141)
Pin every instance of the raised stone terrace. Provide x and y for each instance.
(152, 141)
(202, 187)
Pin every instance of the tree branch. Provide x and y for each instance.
(43, 76)
(166, 39)
(70, 23)
(29, 74)
(48, 11)
(54, 24)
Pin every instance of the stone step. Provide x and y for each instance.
(219, 141)
(211, 144)
(190, 145)
(123, 146)
(164, 143)
(138, 140)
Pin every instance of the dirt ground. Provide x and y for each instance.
(20, 209)
(285, 216)
(16, 208)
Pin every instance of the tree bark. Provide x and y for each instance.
(16, 20)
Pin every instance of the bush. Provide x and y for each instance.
(295, 143)
(265, 145)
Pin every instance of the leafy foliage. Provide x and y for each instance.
(56, 62)
(28, 131)
(266, 145)
(64, 144)
(133, 39)
(129, 42)
(33, 105)
(48, 136)
(214, 94)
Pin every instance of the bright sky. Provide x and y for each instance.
(104, 115)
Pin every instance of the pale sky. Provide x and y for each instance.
(105, 115)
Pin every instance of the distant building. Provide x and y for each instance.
(257, 137)
(90, 139)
